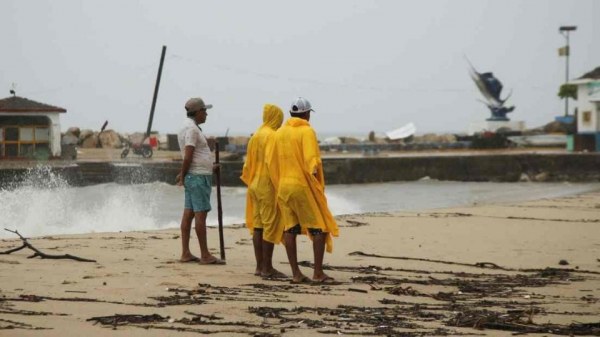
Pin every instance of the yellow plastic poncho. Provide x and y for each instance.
(297, 171)
(261, 199)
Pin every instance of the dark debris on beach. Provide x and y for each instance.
(411, 302)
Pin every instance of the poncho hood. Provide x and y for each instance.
(272, 116)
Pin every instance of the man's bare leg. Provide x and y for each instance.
(319, 252)
(200, 220)
(290, 249)
(186, 227)
(258, 243)
(267, 258)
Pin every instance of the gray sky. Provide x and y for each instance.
(364, 65)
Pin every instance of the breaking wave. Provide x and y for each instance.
(45, 204)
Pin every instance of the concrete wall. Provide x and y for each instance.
(498, 168)
(579, 167)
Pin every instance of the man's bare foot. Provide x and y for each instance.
(324, 279)
(273, 274)
(211, 260)
(257, 272)
(301, 279)
(317, 277)
(189, 258)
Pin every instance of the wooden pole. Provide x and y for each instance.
(162, 60)
(219, 206)
(98, 143)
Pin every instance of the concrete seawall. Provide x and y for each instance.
(582, 167)
(497, 168)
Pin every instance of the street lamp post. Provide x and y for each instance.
(564, 30)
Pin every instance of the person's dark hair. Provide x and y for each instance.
(299, 114)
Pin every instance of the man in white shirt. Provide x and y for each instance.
(196, 176)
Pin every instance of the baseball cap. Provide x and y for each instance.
(195, 104)
(300, 105)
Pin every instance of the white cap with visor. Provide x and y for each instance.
(300, 105)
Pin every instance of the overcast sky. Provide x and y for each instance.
(364, 65)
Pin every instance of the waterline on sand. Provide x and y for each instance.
(51, 206)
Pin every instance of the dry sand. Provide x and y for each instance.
(137, 273)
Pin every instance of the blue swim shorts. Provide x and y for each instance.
(197, 192)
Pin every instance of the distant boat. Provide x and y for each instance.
(331, 141)
(403, 132)
(539, 140)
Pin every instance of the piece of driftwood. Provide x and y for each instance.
(6, 324)
(487, 265)
(21, 312)
(36, 298)
(37, 252)
(354, 223)
(118, 319)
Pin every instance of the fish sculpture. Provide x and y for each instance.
(491, 88)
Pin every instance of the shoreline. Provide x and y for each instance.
(494, 166)
(419, 274)
(62, 209)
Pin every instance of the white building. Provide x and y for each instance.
(588, 102)
(29, 129)
(588, 111)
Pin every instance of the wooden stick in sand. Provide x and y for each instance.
(219, 206)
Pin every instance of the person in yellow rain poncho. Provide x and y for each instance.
(297, 172)
(261, 201)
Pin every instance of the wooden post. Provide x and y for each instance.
(162, 60)
(219, 206)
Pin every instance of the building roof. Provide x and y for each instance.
(20, 104)
(594, 74)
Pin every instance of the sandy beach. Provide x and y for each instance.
(478, 270)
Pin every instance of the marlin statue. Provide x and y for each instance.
(490, 87)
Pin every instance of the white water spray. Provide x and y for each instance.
(45, 204)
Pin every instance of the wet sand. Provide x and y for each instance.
(436, 272)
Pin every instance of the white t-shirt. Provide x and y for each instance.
(202, 159)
